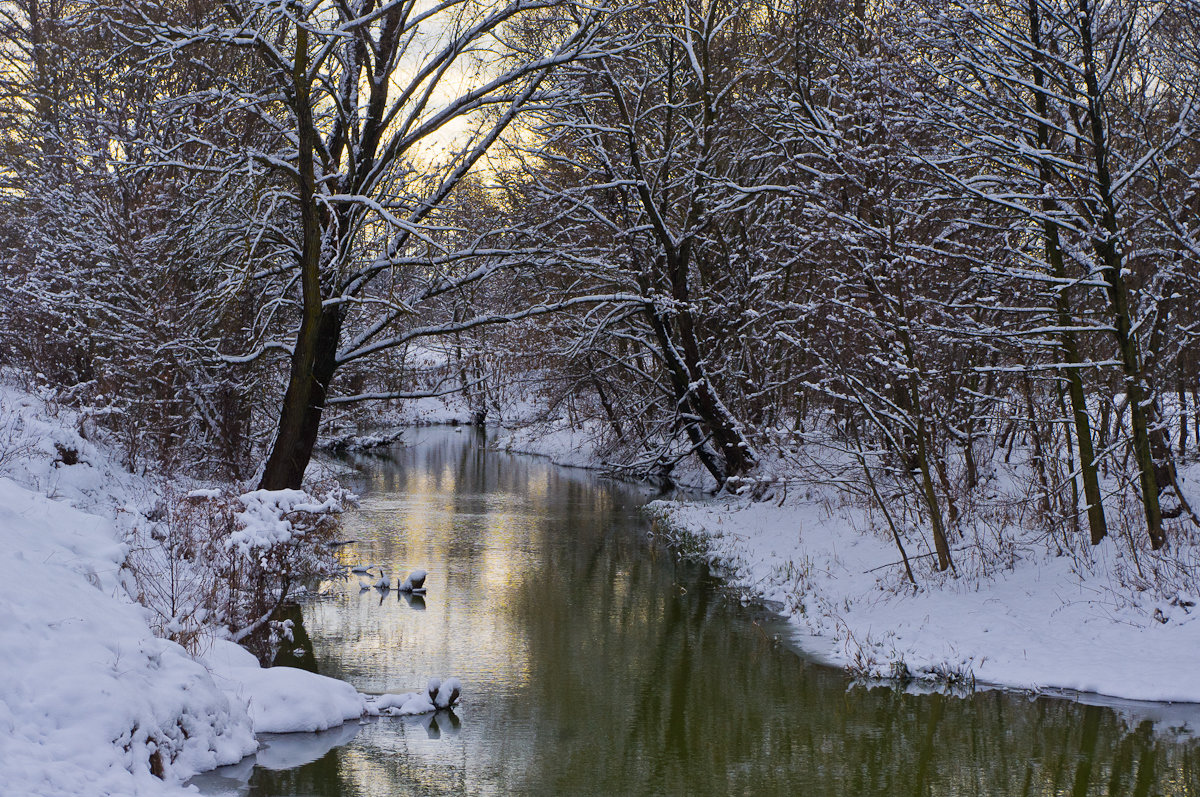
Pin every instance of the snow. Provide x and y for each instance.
(438, 695)
(276, 752)
(415, 582)
(405, 704)
(281, 699)
(447, 692)
(435, 410)
(1040, 622)
(529, 428)
(204, 494)
(560, 442)
(91, 701)
(264, 522)
(384, 424)
(88, 696)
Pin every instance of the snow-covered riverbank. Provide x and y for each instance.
(91, 701)
(1031, 619)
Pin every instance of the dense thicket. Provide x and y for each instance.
(917, 234)
(118, 263)
(927, 240)
(219, 208)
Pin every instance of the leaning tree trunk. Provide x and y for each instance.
(680, 385)
(940, 542)
(314, 358)
(739, 455)
(705, 416)
(303, 405)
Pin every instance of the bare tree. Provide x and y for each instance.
(359, 97)
(1036, 92)
(634, 166)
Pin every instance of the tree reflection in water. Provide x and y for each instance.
(597, 663)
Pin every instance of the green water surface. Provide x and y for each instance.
(595, 662)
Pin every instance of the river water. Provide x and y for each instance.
(596, 662)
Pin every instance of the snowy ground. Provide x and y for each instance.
(561, 444)
(91, 702)
(1037, 621)
(527, 427)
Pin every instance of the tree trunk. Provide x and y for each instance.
(1196, 414)
(940, 543)
(1183, 410)
(1108, 248)
(314, 358)
(739, 456)
(303, 405)
(1039, 454)
(680, 386)
(1097, 524)
(1070, 447)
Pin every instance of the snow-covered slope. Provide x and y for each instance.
(90, 701)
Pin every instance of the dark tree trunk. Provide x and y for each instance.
(940, 542)
(1097, 524)
(678, 375)
(1107, 244)
(302, 408)
(314, 358)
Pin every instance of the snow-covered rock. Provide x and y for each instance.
(415, 582)
(437, 695)
(403, 704)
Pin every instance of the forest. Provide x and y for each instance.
(899, 242)
(872, 320)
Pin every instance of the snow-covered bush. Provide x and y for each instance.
(213, 557)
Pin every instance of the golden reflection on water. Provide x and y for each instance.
(479, 550)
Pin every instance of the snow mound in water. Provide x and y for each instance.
(282, 699)
(438, 695)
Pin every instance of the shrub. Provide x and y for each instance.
(215, 558)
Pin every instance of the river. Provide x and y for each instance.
(594, 661)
